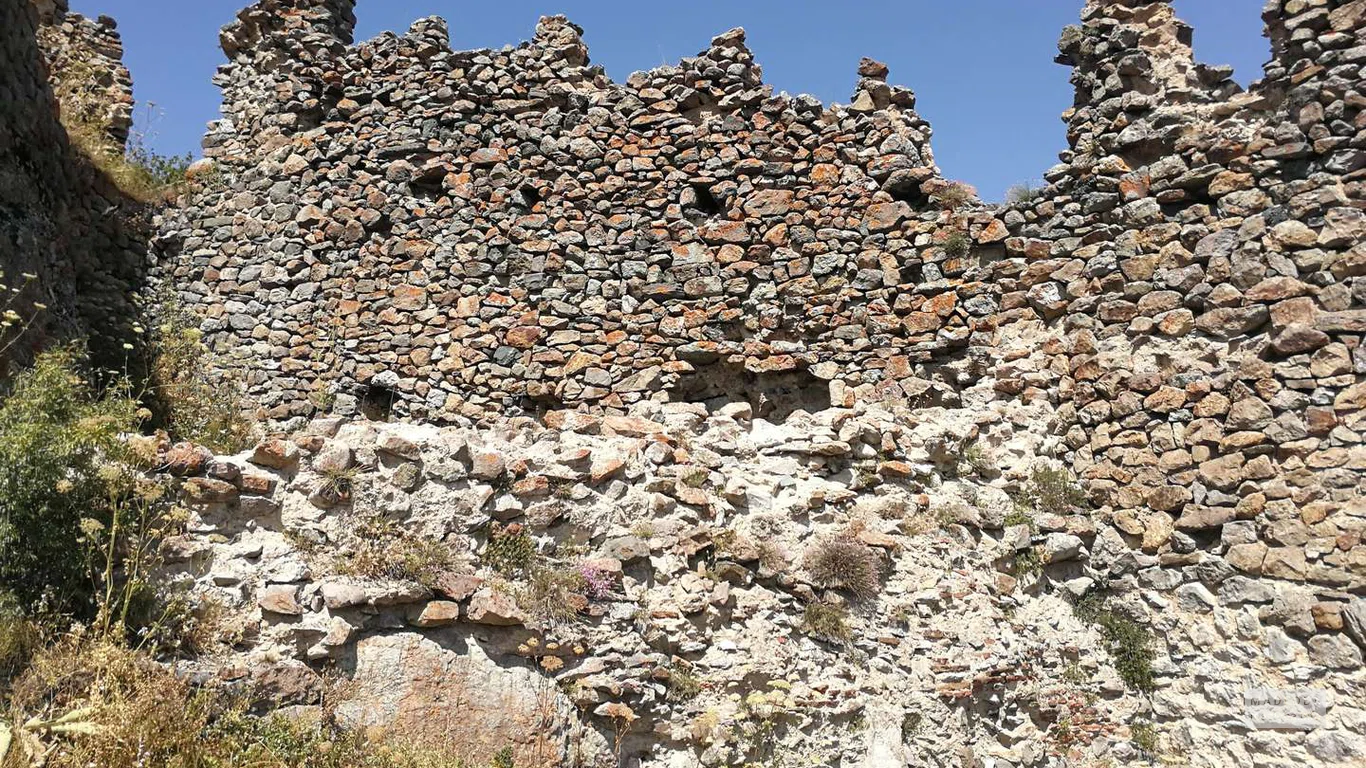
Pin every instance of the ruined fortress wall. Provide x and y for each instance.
(33, 180)
(460, 234)
(1193, 274)
(85, 67)
(1199, 252)
(476, 232)
(505, 231)
(60, 218)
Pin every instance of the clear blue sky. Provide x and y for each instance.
(983, 69)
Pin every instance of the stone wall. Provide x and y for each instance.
(61, 220)
(1192, 270)
(400, 229)
(458, 234)
(450, 234)
(506, 231)
(1196, 255)
(85, 64)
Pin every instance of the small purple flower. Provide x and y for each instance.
(597, 582)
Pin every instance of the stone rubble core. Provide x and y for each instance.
(700, 525)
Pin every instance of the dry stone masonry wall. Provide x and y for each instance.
(506, 231)
(1196, 253)
(1195, 260)
(60, 219)
(85, 61)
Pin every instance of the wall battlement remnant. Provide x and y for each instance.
(61, 220)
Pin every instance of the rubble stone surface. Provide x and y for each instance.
(668, 337)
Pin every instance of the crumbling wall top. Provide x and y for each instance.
(288, 26)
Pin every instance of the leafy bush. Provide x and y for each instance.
(978, 460)
(1129, 644)
(384, 550)
(189, 394)
(826, 622)
(1027, 563)
(502, 759)
(57, 437)
(1053, 492)
(845, 563)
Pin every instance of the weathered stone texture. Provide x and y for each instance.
(505, 231)
(1198, 242)
(60, 219)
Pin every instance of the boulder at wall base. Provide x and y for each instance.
(452, 689)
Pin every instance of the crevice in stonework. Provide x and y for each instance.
(774, 395)
(531, 196)
(377, 402)
(699, 201)
(907, 190)
(429, 188)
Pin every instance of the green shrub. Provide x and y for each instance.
(1053, 492)
(1019, 516)
(826, 622)
(57, 439)
(189, 394)
(683, 684)
(510, 550)
(843, 562)
(957, 245)
(979, 461)
(1027, 563)
(1144, 737)
(502, 759)
(1129, 644)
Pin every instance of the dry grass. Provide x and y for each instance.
(383, 549)
(126, 711)
(138, 172)
(843, 562)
